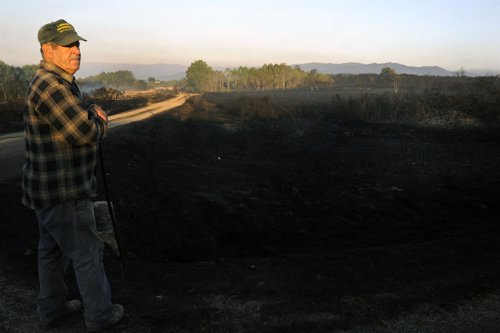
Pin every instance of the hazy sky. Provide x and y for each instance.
(446, 33)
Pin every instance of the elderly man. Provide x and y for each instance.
(58, 181)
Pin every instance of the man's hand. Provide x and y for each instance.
(100, 113)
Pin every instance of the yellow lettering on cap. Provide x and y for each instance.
(64, 27)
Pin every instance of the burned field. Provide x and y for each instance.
(264, 213)
(247, 177)
(318, 214)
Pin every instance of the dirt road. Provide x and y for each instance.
(147, 111)
(12, 144)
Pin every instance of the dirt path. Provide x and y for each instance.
(124, 118)
(12, 144)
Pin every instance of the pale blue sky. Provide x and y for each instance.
(446, 33)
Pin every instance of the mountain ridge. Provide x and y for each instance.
(166, 72)
(374, 68)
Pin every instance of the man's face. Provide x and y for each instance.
(67, 57)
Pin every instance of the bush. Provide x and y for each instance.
(11, 115)
(254, 108)
(418, 108)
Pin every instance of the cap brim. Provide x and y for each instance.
(68, 39)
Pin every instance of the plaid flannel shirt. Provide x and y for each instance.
(61, 137)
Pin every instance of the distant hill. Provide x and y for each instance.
(482, 72)
(358, 68)
(167, 72)
(163, 72)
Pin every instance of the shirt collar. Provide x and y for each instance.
(48, 66)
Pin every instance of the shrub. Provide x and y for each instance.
(11, 114)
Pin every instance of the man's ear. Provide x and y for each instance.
(47, 50)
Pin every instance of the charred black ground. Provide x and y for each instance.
(242, 214)
(202, 183)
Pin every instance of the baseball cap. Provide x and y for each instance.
(59, 32)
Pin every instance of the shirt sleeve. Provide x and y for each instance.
(65, 113)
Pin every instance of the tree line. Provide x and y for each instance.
(14, 81)
(122, 79)
(200, 77)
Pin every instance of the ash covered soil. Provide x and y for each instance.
(269, 224)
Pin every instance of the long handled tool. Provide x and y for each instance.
(111, 211)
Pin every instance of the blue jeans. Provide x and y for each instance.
(68, 233)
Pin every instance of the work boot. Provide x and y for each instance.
(116, 316)
(69, 308)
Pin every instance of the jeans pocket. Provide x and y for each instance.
(84, 211)
(85, 219)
